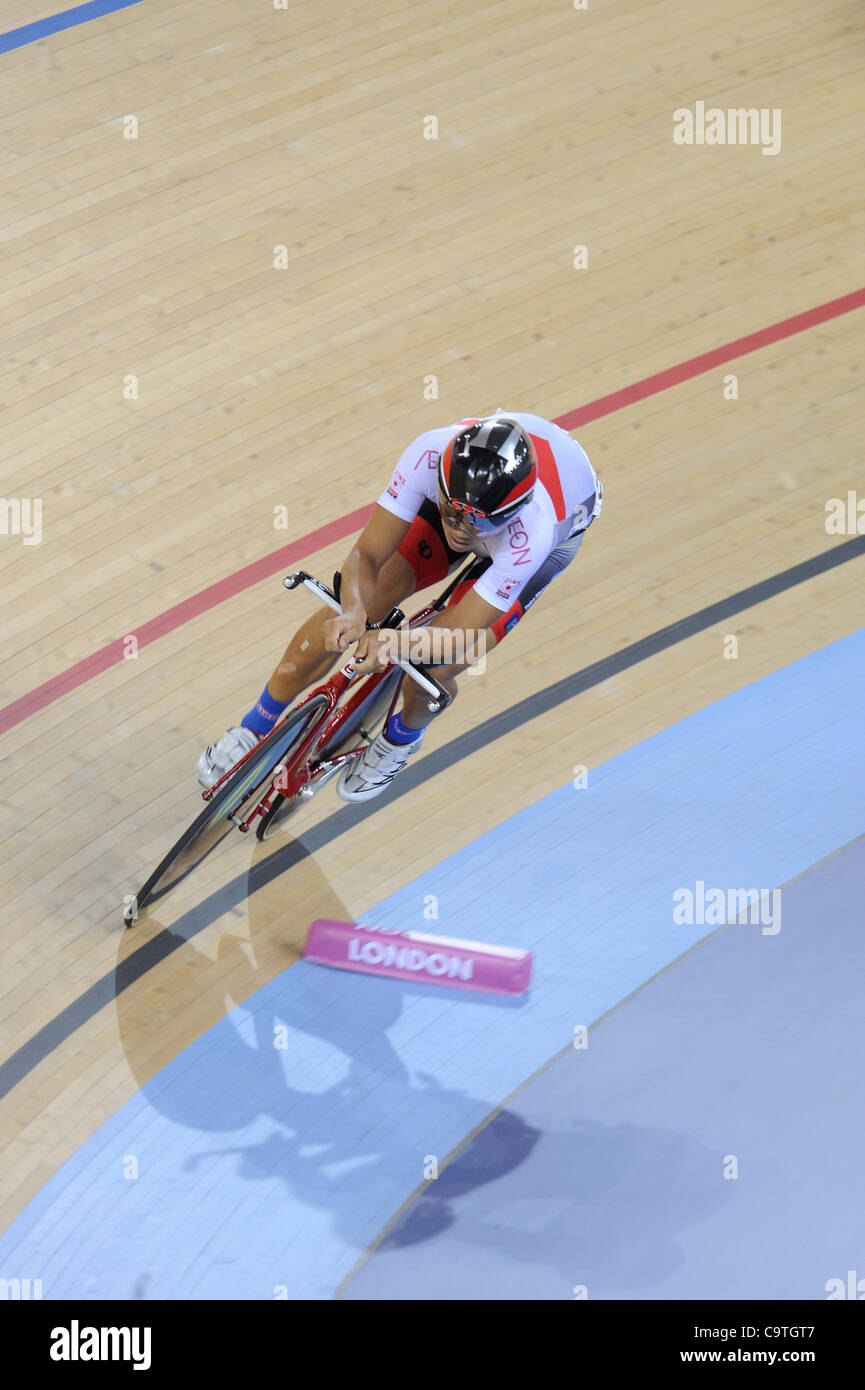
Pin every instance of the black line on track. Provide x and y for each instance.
(102, 991)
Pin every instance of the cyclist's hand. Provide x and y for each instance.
(374, 651)
(341, 631)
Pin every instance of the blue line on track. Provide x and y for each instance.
(67, 19)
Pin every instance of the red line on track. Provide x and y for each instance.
(695, 366)
(181, 613)
(287, 555)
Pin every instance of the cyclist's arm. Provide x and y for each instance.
(378, 540)
(451, 639)
(472, 611)
(461, 624)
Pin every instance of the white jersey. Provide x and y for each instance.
(567, 497)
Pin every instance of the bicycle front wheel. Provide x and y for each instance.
(238, 789)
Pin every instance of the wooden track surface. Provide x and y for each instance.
(259, 387)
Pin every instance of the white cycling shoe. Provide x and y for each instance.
(221, 756)
(367, 776)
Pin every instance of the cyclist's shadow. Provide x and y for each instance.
(243, 986)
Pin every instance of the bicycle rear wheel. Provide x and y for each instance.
(238, 789)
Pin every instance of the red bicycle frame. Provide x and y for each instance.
(289, 779)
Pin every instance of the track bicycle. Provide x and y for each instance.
(305, 749)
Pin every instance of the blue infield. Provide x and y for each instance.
(267, 1171)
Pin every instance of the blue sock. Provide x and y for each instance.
(264, 713)
(397, 732)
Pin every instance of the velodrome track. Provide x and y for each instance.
(700, 1138)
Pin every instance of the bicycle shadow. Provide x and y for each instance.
(332, 1145)
(600, 1205)
(326, 1145)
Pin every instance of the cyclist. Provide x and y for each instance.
(516, 490)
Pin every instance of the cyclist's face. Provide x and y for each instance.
(461, 532)
(458, 535)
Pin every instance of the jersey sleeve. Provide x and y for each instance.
(414, 477)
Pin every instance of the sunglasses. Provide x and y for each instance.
(469, 520)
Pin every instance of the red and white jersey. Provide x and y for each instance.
(566, 499)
